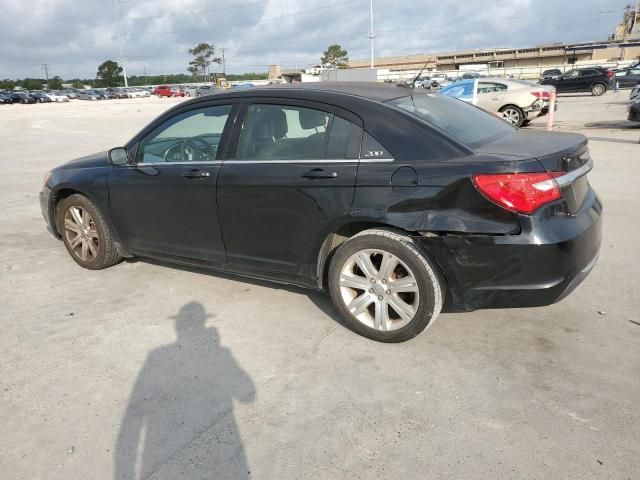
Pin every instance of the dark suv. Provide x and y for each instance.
(596, 80)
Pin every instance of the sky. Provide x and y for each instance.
(73, 37)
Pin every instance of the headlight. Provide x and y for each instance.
(46, 179)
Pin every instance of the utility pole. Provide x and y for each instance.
(122, 59)
(45, 67)
(224, 70)
(371, 36)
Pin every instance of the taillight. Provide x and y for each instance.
(542, 94)
(519, 192)
(609, 73)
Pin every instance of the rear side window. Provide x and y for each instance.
(283, 132)
(467, 124)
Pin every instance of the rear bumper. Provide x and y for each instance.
(538, 267)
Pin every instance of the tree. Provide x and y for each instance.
(55, 83)
(109, 74)
(203, 57)
(335, 57)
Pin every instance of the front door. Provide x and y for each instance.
(289, 184)
(165, 201)
(568, 82)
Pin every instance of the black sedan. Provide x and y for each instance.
(627, 78)
(634, 111)
(395, 201)
(21, 97)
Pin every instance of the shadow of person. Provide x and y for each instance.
(179, 420)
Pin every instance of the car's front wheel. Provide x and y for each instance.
(85, 233)
(384, 287)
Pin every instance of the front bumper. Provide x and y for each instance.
(46, 209)
(538, 267)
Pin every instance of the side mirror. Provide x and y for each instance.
(118, 156)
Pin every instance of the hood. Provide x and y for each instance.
(90, 161)
(534, 144)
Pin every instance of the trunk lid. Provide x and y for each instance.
(564, 153)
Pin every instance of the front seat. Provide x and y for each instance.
(264, 128)
(314, 144)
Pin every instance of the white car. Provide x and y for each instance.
(57, 97)
(135, 93)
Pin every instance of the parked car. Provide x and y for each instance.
(551, 73)
(71, 94)
(634, 111)
(177, 91)
(5, 98)
(374, 193)
(209, 90)
(57, 97)
(163, 91)
(40, 97)
(439, 80)
(21, 97)
(470, 75)
(596, 80)
(627, 78)
(136, 93)
(519, 101)
(190, 90)
(88, 95)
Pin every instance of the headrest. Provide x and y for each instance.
(312, 118)
(274, 119)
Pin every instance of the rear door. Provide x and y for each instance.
(491, 95)
(628, 78)
(288, 184)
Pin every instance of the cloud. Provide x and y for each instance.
(75, 37)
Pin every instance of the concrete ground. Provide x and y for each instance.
(149, 371)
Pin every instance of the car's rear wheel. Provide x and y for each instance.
(513, 114)
(598, 89)
(384, 287)
(85, 233)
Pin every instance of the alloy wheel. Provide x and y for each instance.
(81, 233)
(512, 116)
(598, 90)
(379, 289)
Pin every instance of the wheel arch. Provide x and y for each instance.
(340, 235)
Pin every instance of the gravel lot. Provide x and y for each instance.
(150, 370)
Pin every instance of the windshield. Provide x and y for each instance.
(465, 123)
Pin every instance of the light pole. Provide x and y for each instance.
(371, 36)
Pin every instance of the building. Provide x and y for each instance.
(609, 50)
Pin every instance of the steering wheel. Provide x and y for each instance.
(190, 150)
(195, 149)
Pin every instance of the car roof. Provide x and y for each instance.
(379, 92)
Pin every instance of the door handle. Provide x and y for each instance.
(196, 174)
(319, 173)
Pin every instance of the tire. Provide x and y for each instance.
(598, 89)
(384, 315)
(187, 94)
(513, 114)
(72, 224)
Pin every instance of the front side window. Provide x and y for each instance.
(571, 74)
(192, 136)
(278, 132)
